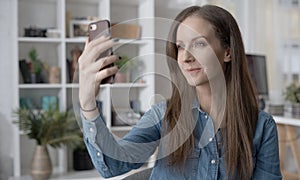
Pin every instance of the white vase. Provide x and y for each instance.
(41, 167)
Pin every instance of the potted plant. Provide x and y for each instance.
(125, 65)
(36, 67)
(292, 95)
(47, 127)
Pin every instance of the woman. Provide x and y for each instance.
(210, 128)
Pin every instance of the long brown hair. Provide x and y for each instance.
(241, 112)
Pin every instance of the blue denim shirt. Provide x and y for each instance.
(113, 157)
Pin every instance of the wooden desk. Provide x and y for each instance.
(287, 137)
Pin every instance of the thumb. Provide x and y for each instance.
(87, 40)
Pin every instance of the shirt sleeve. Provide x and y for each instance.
(267, 164)
(113, 157)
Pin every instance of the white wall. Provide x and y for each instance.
(6, 87)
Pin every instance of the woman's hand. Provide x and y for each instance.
(91, 71)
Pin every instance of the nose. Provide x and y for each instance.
(187, 56)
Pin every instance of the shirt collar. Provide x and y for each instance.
(196, 105)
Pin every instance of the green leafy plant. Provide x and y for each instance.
(125, 64)
(292, 93)
(37, 66)
(49, 127)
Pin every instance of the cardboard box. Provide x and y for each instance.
(126, 31)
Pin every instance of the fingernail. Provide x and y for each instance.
(116, 39)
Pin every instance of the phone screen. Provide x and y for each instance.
(96, 30)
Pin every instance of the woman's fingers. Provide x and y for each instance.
(106, 73)
(93, 49)
(103, 62)
(92, 52)
(102, 46)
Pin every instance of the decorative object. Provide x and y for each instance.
(49, 102)
(33, 31)
(292, 95)
(24, 69)
(54, 75)
(81, 158)
(75, 54)
(126, 31)
(276, 109)
(53, 33)
(47, 127)
(78, 27)
(41, 166)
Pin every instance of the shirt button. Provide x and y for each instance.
(205, 116)
(91, 130)
(213, 161)
(210, 139)
(98, 153)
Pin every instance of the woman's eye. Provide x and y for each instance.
(198, 44)
(180, 46)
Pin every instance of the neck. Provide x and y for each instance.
(212, 99)
(204, 97)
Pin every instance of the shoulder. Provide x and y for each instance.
(266, 129)
(265, 121)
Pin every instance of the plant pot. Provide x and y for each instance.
(296, 110)
(41, 167)
(82, 160)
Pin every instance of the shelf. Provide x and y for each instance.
(39, 39)
(126, 85)
(39, 86)
(83, 2)
(287, 120)
(128, 2)
(133, 41)
(76, 40)
(121, 41)
(116, 85)
(69, 85)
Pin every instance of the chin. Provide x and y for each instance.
(197, 82)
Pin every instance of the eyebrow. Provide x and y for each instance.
(197, 37)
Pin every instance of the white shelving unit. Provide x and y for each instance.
(55, 51)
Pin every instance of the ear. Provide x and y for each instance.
(227, 55)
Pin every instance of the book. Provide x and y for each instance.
(25, 71)
(49, 102)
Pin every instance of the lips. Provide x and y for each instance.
(193, 69)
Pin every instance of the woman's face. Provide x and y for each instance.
(200, 55)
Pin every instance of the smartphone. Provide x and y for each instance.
(96, 30)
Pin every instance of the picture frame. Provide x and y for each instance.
(78, 28)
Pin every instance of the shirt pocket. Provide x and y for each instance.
(191, 165)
